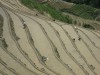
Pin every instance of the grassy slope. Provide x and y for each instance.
(83, 11)
(48, 9)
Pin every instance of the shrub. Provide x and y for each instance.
(88, 26)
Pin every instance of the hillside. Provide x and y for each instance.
(41, 41)
(67, 12)
(93, 3)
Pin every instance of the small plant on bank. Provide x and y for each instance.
(88, 26)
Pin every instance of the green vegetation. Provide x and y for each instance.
(83, 11)
(98, 13)
(88, 26)
(93, 3)
(1, 25)
(56, 14)
(98, 19)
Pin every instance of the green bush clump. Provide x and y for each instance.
(56, 14)
(88, 26)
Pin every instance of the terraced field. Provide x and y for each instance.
(32, 44)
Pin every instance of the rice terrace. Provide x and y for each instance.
(33, 42)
